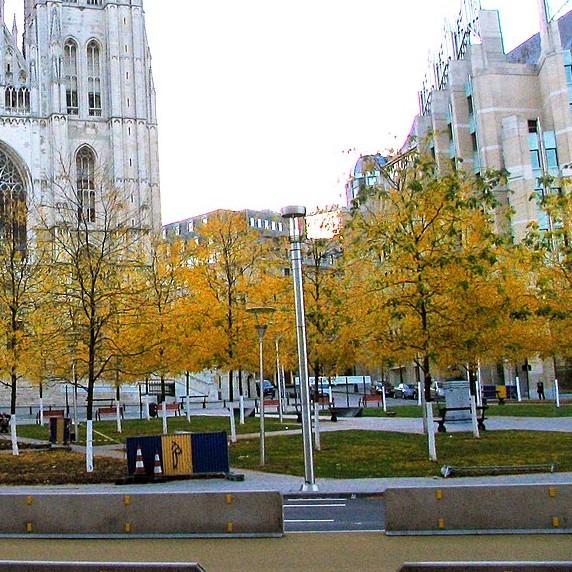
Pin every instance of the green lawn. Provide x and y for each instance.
(506, 410)
(530, 410)
(361, 454)
(105, 431)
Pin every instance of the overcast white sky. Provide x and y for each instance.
(259, 99)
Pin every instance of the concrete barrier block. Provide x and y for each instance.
(479, 508)
(167, 513)
(32, 566)
(487, 567)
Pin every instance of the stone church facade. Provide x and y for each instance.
(78, 93)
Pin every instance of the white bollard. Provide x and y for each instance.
(518, 394)
(241, 405)
(146, 402)
(431, 431)
(317, 442)
(89, 447)
(41, 411)
(557, 392)
(383, 399)
(474, 417)
(232, 424)
(118, 416)
(164, 413)
(419, 396)
(14, 436)
(188, 407)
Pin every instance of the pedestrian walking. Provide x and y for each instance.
(540, 390)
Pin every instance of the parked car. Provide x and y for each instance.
(377, 389)
(269, 389)
(405, 391)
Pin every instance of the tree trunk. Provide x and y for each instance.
(231, 385)
(163, 388)
(13, 435)
(427, 378)
(472, 369)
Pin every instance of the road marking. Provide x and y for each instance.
(313, 499)
(311, 505)
(350, 531)
(323, 520)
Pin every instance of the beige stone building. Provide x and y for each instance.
(483, 108)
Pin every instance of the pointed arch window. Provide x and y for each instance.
(85, 168)
(70, 70)
(13, 211)
(94, 78)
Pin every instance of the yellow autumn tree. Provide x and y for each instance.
(425, 232)
(232, 268)
(22, 270)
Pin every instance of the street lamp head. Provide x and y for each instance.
(260, 312)
(293, 211)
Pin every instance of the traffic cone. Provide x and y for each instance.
(139, 466)
(157, 469)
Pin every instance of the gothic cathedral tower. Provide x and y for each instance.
(79, 93)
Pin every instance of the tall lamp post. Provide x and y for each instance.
(260, 312)
(295, 216)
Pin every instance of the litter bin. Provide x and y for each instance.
(60, 430)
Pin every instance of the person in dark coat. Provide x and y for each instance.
(540, 390)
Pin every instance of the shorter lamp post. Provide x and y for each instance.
(259, 313)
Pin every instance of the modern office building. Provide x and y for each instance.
(268, 223)
(483, 108)
(76, 99)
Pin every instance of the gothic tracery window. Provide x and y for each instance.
(17, 100)
(85, 168)
(94, 78)
(70, 71)
(13, 210)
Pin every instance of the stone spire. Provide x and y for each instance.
(15, 29)
(1, 11)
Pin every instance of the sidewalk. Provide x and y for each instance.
(289, 485)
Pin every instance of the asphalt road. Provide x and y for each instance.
(333, 514)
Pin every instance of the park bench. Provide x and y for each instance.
(335, 412)
(371, 399)
(105, 411)
(443, 416)
(48, 414)
(170, 408)
(4, 423)
(202, 399)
